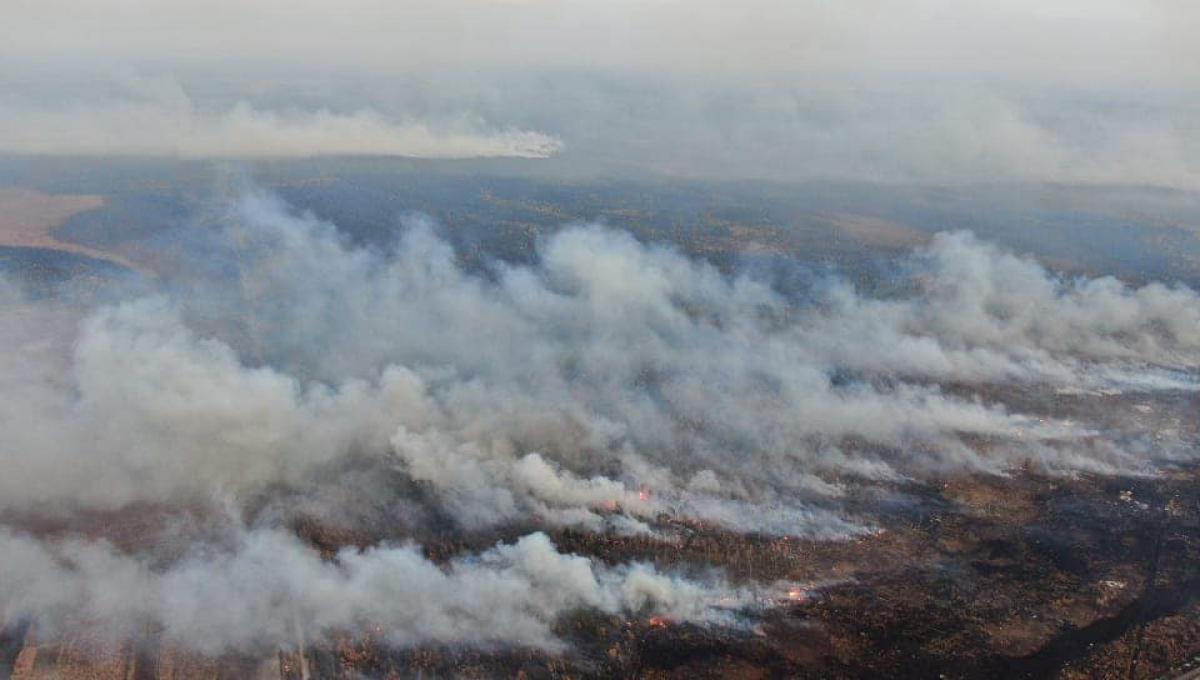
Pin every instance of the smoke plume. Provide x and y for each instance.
(156, 118)
(603, 387)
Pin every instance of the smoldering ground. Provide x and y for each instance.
(281, 371)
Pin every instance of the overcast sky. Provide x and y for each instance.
(938, 90)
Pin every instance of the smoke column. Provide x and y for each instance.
(279, 371)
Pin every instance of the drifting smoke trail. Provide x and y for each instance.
(245, 599)
(607, 384)
(158, 119)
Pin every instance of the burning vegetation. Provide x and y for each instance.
(615, 462)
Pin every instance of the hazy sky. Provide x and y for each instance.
(943, 90)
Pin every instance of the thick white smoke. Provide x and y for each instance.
(269, 588)
(602, 387)
(985, 315)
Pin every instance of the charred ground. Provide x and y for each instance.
(1026, 574)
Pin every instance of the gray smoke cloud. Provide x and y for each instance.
(270, 588)
(155, 117)
(899, 91)
(985, 315)
(603, 386)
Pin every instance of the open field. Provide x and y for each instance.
(28, 219)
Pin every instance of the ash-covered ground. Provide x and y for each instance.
(282, 449)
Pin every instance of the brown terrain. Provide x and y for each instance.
(1024, 576)
(1021, 576)
(29, 218)
(878, 233)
